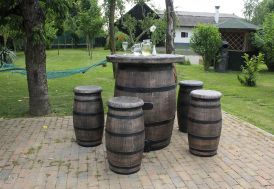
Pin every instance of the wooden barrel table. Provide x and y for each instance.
(151, 78)
(204, 122)
(88, 115)
(183, 101)
(125, 134)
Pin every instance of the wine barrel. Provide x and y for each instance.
(88, 115)
(204, 122)
(125, 134)
(155, 84)
(183, 101)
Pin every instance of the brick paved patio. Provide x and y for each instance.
(42, 153)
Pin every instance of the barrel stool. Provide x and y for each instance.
(88, 115)
(204, 122)
(183, 102)
(125, 134)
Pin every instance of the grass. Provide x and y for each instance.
(255, 105)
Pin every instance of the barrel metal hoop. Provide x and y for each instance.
(87, 114)
(81, 140)
(203, 138)
(151, 142)
(204, 121)
(87, 94)
(206, 107)
(145, 90)
(145, 67)
(92, 100)
(157, 124)
(124, 135)
(88, 129)
(124, 109)
(205, 100)
(125, 117)
(124, 167)
(202, 150)
(189, 88)
(125, 153)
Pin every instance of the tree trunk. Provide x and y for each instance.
(112, 4)
(87, 44)
(58, 45)
(91, 48)
(14, 45)
(170, 34)
(35, 54)
(5, 38)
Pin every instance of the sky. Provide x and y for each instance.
(227, 6)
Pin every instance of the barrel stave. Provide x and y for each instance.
(205, 124)
(154, 84)
(125, 136)
(183, 102)
(88, 115)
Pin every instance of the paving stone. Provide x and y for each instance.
(32, 156)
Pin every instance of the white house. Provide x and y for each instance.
(188, 20)
(235, 30)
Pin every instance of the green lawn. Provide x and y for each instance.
(256, 105)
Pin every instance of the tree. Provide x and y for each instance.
(171, 23)
(111, 6)
(130, 24)
(260, 11)
(264, 40)
(71, 27)
(249, 8)
(206, 41)
(5, 33)
(71, 23)
(111, 17)
(33, 17)
(50, 32)
(159, 35)
(90, 23)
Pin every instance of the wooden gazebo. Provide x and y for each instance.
(237, 32)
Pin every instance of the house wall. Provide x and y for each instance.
(178, 40)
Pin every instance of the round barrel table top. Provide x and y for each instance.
(125, 102)
(191, 83)
(206, 94)
(141, 59)
(88, 89)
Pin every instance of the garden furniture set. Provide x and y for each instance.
(141, 114)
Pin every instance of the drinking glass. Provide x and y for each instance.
(125, 46)
(136, 49)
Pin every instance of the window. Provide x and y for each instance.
(184, 35)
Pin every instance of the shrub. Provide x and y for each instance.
(264, 40)
(250, 70)
(6, 56)
(206, 41)
(120, 37)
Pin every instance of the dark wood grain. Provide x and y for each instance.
(125, 134)
(204, 122)
(88, 115)
(183, 101)
(155, 84)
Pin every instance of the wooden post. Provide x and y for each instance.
(170, 34)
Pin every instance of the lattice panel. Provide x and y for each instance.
(235, 41)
